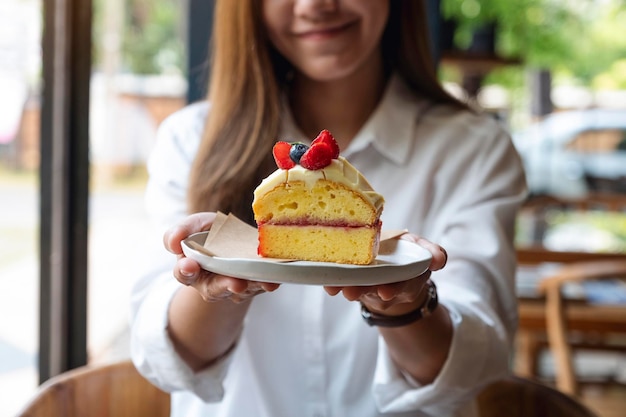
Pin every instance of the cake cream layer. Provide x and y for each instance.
(339, 171)
(349, 245)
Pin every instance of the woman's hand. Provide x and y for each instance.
(210, 286)
(419, 348)
(400, 297)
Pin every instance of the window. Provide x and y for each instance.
(129, 97)
(20, 63)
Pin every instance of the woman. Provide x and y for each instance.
(284, 70)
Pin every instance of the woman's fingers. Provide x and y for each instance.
(269, 286)
(439, 254)
(219, 288)
(405, 291)
(210, 286)
(213, 287)
(187, 271)
(333, 290)
(399, 292)
(194, 223)
(385, 296)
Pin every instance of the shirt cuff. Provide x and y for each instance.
(463, 373)
(155, 357)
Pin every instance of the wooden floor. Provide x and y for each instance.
(606, 401)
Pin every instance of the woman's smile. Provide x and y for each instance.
(325, 33)
(326, 41)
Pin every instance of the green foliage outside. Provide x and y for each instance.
(612, 79)
(579, 40)
(151, 42)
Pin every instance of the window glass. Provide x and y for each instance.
(138, 80)
(20, 65)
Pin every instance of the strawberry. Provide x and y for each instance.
(318, 156)
(326, 137)
(281, 155)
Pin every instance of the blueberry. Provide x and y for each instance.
(297, 150)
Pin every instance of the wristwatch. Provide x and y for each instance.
(425, 310)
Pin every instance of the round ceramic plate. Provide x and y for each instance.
(397, 260)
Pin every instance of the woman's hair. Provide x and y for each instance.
(248, 77)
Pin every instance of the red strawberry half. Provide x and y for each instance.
(281, 155)
(318, 156)
(326, 137)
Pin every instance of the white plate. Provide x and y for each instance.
(397, 260)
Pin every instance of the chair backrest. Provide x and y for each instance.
(598, 318)
(521, 397)
(112, 390)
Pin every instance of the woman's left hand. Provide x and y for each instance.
(400, 297)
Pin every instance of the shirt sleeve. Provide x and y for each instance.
(152, 350)
(476, 226)
(154, 355)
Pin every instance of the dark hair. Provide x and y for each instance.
(247, 79)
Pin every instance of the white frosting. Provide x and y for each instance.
(339, 170)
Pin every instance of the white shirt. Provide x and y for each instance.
(450, 176)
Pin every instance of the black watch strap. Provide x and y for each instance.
(425, 310)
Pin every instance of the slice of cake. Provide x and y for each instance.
(317, 206)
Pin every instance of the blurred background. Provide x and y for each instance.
(552, 72)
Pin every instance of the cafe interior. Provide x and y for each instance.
(570, 352)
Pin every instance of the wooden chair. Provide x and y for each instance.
(532, 330)
(591, 322)
(117, 390)
(532, 337)
(520, 397)
(113, 390)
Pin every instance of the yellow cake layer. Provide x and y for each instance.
(348, 245)
(322, 202)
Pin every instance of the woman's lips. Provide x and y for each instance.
(323, 33)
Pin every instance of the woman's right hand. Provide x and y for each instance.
(211, 287)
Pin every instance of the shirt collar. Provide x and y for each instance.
(392, 124)
(387, 130)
